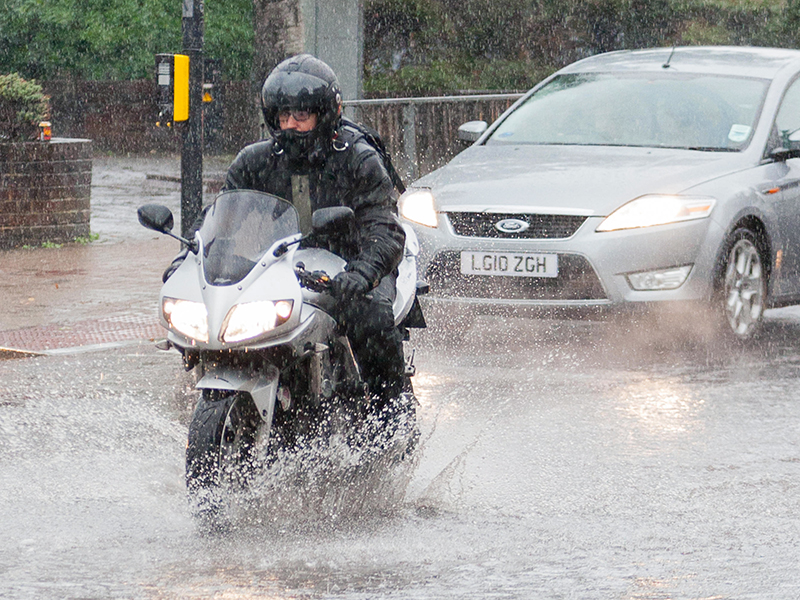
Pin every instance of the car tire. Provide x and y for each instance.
(741, 290)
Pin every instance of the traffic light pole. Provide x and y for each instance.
(192, 26)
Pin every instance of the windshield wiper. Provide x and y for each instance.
(712, 149)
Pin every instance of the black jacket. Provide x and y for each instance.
(350, 174)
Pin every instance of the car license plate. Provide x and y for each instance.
(509, 264)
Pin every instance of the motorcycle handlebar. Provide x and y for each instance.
(316, 281)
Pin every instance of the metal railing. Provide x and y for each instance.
(402, 133)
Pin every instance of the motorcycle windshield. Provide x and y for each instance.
(238, 229)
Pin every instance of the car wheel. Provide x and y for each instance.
(742, 288)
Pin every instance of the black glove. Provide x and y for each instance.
(349, 285)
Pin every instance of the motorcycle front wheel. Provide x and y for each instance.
(221, 451)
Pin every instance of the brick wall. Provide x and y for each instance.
(45, 190)
(120, 116)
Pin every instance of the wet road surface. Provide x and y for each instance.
(558, 460)
(571, 464)
(115, 277)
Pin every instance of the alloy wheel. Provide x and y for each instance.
(744, 288)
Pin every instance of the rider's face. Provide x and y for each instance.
(299, 120)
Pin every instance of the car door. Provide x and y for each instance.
(786, 280)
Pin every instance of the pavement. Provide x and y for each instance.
(80, 297)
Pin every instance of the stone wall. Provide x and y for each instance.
(45, 190)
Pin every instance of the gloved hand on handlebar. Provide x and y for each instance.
(350, 285)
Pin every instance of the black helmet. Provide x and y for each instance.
(303, 82)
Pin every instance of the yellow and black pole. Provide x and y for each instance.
(192, 26)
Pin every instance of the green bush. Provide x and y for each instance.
(115, 39)
(443, 77)
(22, 106)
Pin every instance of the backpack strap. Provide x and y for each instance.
(373, 138)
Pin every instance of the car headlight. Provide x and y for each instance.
(419, 206)
(189, 318)
(252, 319)
(657, 209)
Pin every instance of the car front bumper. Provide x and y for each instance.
(592, 273)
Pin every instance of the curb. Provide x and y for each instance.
(11, 353)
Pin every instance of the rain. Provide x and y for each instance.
(557, 458)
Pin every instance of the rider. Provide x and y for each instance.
(314, 161)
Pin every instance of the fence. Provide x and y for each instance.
(422, 133)
(120, 116)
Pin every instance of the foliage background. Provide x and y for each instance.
(410, 46)
(429, 46)
(22, 106)
(115, 39)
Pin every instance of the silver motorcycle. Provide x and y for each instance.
(251, 309)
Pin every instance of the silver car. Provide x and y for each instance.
(626, 180)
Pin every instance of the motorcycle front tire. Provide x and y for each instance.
(221, 450)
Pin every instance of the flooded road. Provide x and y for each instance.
(558, 459)
(578, 461)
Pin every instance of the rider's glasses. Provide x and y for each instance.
(298, 115)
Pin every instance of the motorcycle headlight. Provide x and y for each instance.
(252, 319)
(419, 206)
(657, 209)
(189, 318)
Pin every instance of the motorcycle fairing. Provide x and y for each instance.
(271, 279)
(406, 277)
(262, 386)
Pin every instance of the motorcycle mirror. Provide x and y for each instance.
(156, 217)
(334, 219)
(159, 218)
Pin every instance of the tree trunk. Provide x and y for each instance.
(278, 34)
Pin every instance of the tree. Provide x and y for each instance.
(114, 39)
(278, 34)
(22, 106)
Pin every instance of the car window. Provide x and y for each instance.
(788, 119)
(672, 111)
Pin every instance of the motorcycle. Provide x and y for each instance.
(251, 309)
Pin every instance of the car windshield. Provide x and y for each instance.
(238, 229)
(655, 110)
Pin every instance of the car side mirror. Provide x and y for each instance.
(332, 220)
(472, 130)
(156, 217)
(782, 154)
(789, 149)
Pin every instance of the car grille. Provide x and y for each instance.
(576, 280)
(542, 227)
